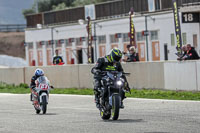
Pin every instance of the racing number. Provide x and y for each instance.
(44, 87)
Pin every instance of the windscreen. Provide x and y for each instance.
(42, 80)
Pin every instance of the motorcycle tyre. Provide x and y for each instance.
(115, 107)
(44, 104)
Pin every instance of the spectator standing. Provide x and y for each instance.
(191, 53)
(132, 56)
(184, 55)
(57, 60)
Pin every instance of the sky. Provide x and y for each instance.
(11, 11)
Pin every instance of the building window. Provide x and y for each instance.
(154, 5)
(140, 37)
(67, 43)
(57, 44)
(157, 4)
(102, 39)
(184, 38)
(195, 40)
(48, 44)
(113, 39)
(30, 45)
(151, 5)
(126, 38)
(78, 42)
(172, 40)
(39, 45)
(154, 35)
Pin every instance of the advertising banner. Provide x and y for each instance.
(177, 26)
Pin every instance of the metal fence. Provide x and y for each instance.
(12, 28)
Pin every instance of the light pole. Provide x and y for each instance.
(146, 33)
(39, 26)
(95, 38)
(95, 41)
(146, 36)
(36, 2)
(52, 41)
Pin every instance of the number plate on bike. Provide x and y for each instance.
(44, 86)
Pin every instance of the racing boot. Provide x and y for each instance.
(122, 105)
(123, 97)
(97, 101)
(31, 97)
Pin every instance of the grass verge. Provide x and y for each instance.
(135, 93)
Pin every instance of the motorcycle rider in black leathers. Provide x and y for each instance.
(110, 62)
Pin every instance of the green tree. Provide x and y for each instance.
(48, 5)
(59, 6)
(28, 11)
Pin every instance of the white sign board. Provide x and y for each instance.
(90, 11)
(151, 5)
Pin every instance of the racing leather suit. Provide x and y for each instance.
(33, 85)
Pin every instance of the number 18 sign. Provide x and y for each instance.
(190, 17)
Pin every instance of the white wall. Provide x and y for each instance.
(171, 75)
(181, 75)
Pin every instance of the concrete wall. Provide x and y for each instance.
(12, 75)
(171, 75)
(198, 75)
(181, 75)
(77, 76)
(145, 75)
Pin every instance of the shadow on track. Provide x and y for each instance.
(47, 114)
(156, 132)
(125, 121)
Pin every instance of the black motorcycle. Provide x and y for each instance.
(111, 92)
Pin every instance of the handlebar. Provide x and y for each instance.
(105, 72)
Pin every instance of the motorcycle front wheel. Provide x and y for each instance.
(115, 106)
(44, 104)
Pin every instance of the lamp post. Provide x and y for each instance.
(52, 41)
(39, 26)
(146, 36)
(146, 33)
(37, 11)
(95, 38)
(95, 41)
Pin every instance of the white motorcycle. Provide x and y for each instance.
(41, 94)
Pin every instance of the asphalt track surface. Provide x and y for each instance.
(78, 114)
